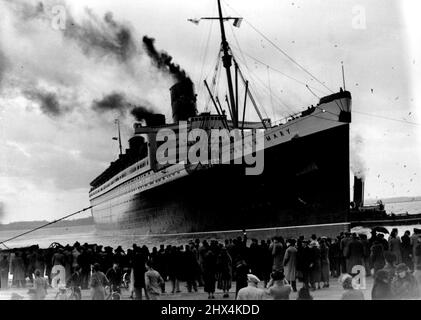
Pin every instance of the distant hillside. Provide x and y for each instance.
(34, 224)
(394, 199)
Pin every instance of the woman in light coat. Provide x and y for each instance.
(290, 264)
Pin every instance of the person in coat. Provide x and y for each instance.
(315, 265)
(406, 250)
(224, 275)
(278, 289)
(153, 282)
(395, 245)
(4, 272)
(241, 271)
(251, 292)
(354, 253)
(290, 264)
(209, 273)
(404, 284)
(377, 260)
(18, 270)
(98, 283)
(40, 286)
(278, 253)
(381, 288)
(349, 292)
(324, 263)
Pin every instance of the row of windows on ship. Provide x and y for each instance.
(126, 188)
(125, 173)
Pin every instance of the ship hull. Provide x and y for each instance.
(305, 182)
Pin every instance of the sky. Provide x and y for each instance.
(63, 85)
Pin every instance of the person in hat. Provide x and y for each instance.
(349, 292)
(278, 288)
(224, 275)
(40, 286)
(390, 266)
(114, 277)
(290, 264)
(377, 260)
(315, 265)
(251, 292)
(153, 281)
(395, 245)
(381, 288)
(404, 284)
(97, 283)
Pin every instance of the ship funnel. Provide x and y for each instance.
(358, 192)
(183, 101)
(155, 120)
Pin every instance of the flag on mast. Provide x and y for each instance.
(195, 21)
(237, 22)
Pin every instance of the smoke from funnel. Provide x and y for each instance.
(103, 37)
(163, 61)
(358, 166)
(48, 101)
(141, 113)
(119, 102)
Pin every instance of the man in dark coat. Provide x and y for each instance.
(354, 253)
(139, 270)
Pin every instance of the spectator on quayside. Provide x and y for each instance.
(315, 265)
(354, 253)
(395, 245)
(18, 270)
(209, 273)
(97, 283)
(404, 285)
(265, 261)
(349, 292)
(174, 267)
(344, 248)
(278, 288)
(366, 253)
(84, 263)
(381, 288)
(406, 250)
(75, 282)
(153, 281)
(39, 261)
(278, 252)
(325, 263)
(224, 272)
(114, 277)
(138, 265)
(241, 271)
(191, 268)
(40, 286)
(303, 261)
(4, 272)
(290, 264)
(251, 292)
(335, 257)
(390, 266)
(377, 260)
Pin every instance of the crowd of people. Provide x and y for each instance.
(276, 264)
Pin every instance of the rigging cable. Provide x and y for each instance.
(279, 49)
(45, 225)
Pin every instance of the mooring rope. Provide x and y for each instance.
(43, 226)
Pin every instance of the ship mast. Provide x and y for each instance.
(226, 60)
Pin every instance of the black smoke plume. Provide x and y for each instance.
(141, 113)
(119, 102)
(103, 37)
(112, 102)
(48, 101)
(163, 61)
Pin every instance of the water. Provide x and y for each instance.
(69, 235)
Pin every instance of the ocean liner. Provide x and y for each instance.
(305, 180)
